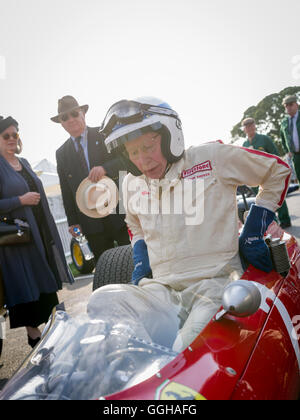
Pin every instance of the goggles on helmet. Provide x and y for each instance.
(129, 112)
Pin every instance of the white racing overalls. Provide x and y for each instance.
(189, 222)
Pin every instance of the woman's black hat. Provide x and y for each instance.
(7, 122)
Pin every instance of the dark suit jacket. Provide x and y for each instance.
(70, 175)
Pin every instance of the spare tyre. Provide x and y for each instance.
(115, 266)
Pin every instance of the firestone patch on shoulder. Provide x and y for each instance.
(201, 170)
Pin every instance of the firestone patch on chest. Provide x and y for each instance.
(201, 170)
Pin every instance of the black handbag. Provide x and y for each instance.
(14, 232)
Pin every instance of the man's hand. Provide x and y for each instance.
(71, 230)
(253, 248)
(97, 173)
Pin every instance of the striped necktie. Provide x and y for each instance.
(82, 159)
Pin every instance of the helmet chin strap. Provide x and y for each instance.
(167, 168)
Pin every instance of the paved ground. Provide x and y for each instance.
(75, 298)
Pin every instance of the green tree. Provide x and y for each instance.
(268, 115)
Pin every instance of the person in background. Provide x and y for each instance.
(290, 131)
(84, 155)
(33, 272)
(265, 144)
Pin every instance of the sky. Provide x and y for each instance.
(209, 59)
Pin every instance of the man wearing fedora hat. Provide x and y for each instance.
(290, 131)
(82, 156)
(265, 144)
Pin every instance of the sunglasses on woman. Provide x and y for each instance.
(14, 136)
(66, 117)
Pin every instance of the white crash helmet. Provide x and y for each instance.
(127, 120)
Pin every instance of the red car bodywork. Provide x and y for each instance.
(253, 358)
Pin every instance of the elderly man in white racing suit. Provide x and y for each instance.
(181, 210)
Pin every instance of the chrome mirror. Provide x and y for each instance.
(241, 299)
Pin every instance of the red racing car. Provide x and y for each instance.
(248, 351)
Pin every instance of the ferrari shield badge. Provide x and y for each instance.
(174, 391)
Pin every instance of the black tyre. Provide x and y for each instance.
(115, 266)
(81, 264)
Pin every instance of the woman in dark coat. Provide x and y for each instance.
(34, 272)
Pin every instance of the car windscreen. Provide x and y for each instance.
(115, 345)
